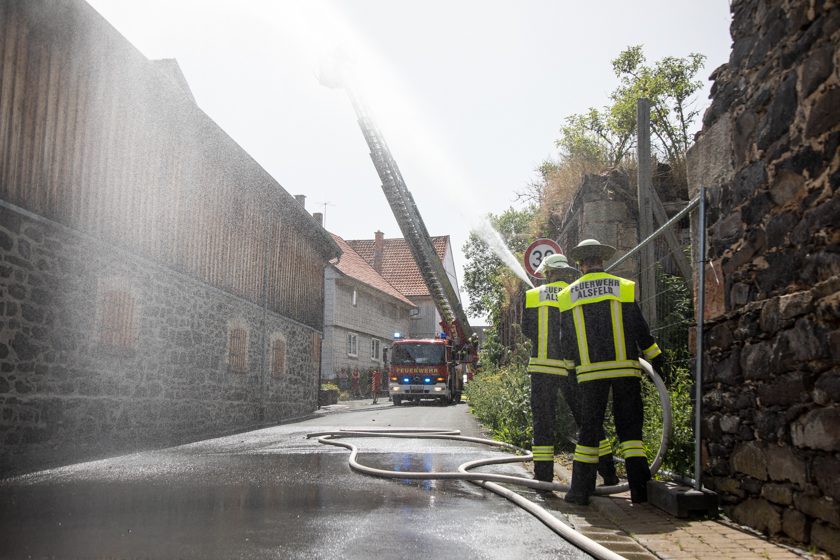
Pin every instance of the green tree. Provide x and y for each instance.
(606, 136)
(669, 84)
(484, 270)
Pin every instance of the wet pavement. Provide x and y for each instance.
(273, 493)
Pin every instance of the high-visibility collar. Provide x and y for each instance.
(544, 295)
(596, 286)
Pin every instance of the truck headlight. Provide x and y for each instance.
(438, 389)
(395, 389)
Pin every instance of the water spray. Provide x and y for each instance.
(487, 233)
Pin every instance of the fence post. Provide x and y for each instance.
(698, 369)
(647, 274)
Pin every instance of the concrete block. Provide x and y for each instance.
(682, 501)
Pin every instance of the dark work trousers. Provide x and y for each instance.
(544, 387)
(629, 418)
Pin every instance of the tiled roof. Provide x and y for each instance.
(352, 265)
(398, 266)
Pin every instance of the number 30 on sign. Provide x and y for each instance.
(536, 252)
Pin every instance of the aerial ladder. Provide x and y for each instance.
(453, 318)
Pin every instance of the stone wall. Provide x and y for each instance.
(768, 156)
(70, 389)
(604, 208)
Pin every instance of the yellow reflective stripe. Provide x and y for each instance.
(604, 448)
(596, 375)
(632, 448)
(548, 369)
(570, 296)
(564, 299)
(542, 330)
(532, 298)
(537, 297)
(618, 330)
(585, 454)
(652, 351)
(542, 452)
(549, 362)
(598, 366)
(580, 331)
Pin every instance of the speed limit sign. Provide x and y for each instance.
(537, 251)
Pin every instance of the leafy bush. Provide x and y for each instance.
(680, 455)
(500, 399)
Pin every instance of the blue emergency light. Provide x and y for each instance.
(397, 335)
(427, 380)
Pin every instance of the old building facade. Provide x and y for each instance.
(362, 311)
(157, 284)
(769, 160)
(393, 260)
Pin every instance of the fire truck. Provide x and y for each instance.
(425, 369)
(422, 368)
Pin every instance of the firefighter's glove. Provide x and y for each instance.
(662, 369)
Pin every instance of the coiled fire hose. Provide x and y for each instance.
(489, 480)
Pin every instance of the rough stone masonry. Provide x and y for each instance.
(768, 156)
(65, 396)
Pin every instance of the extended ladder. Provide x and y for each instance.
(413, 229)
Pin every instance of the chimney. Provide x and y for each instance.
(319, 217)
(378, 250)
(301, 198)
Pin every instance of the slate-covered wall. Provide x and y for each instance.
(768, 156)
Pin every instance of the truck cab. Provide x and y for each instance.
(424, 369)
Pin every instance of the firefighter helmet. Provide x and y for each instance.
(589, 248)
(556, 262)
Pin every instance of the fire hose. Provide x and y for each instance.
(489, 481)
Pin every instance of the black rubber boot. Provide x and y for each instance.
(583, 483)
(638, 474)
(606, 468)
(544, 471)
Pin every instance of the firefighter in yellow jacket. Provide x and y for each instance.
(605, 334)
(541, 325)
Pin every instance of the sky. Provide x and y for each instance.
(469, 94)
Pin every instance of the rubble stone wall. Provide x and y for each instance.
(66, 394)
(768, 156)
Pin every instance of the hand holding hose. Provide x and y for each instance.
(662, 369)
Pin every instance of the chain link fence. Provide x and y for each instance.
(668, 304)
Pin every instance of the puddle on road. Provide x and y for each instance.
(212, 508)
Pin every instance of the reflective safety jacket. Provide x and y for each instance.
(541, 324)
(600, 312)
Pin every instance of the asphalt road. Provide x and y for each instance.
(273, 493)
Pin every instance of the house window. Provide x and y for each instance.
(117, 320)
(278, 358)
(237, 350)
(352, 344)
(374, 350)
(353, 297)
